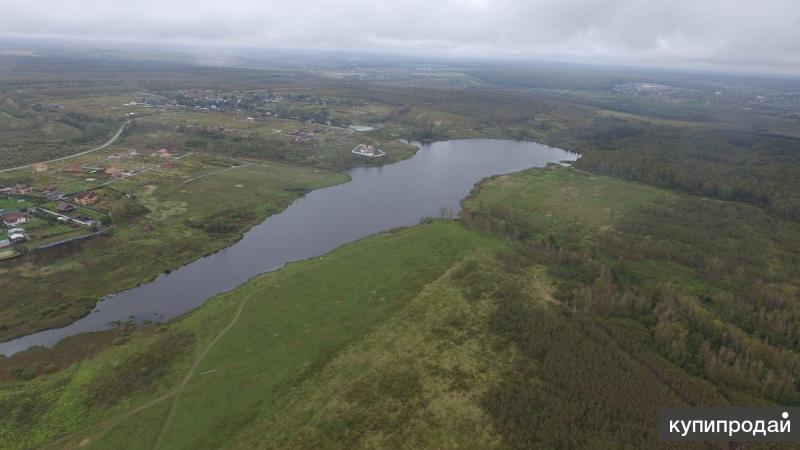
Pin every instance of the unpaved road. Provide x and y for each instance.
(85, 152)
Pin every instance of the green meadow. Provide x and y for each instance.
(171, 218)
(517, 326)
(289, 325)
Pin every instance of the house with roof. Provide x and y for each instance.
(163, 153)
(17, 236)
(85, 197)
(14, 219)
(368, 150)
(64, 207)
(40, 167)
(23, 189)
(52, 193)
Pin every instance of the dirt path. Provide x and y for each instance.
(212, 173)
(85, 152)
(179, 389)
(197, 361)
(107, 424)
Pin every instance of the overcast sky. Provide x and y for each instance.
(736, 34)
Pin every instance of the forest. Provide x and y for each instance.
(712, 282)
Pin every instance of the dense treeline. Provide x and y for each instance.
(736, 324)
(563, 390)
(90, 73)
(739, 247)
(738, 166)
(92, 128)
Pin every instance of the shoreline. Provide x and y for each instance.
(98, 305)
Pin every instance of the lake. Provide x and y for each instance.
(376, 199)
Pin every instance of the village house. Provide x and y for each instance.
(163, 153)
(168, 165)
(127, 154)
(40, 167)
(64, 207)
(14, 219)
(5, 243)
(52, 193)
(73, 168)
(17, 235)
(22, 189)
(368, 150)
(112, 170)
(85, 197)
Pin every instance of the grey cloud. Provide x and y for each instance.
(736, 33)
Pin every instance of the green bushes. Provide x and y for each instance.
(126, 209)
(140, 371)
(224, 222)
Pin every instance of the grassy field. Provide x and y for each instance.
(579, 210)
(445, 341)
(7, 253)
(11, 203)
(435, 375)
(293, 322)
(172, 218)
(571, 205)
(432, 336)
(265, 138)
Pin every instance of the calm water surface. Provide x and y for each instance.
(376, 199)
